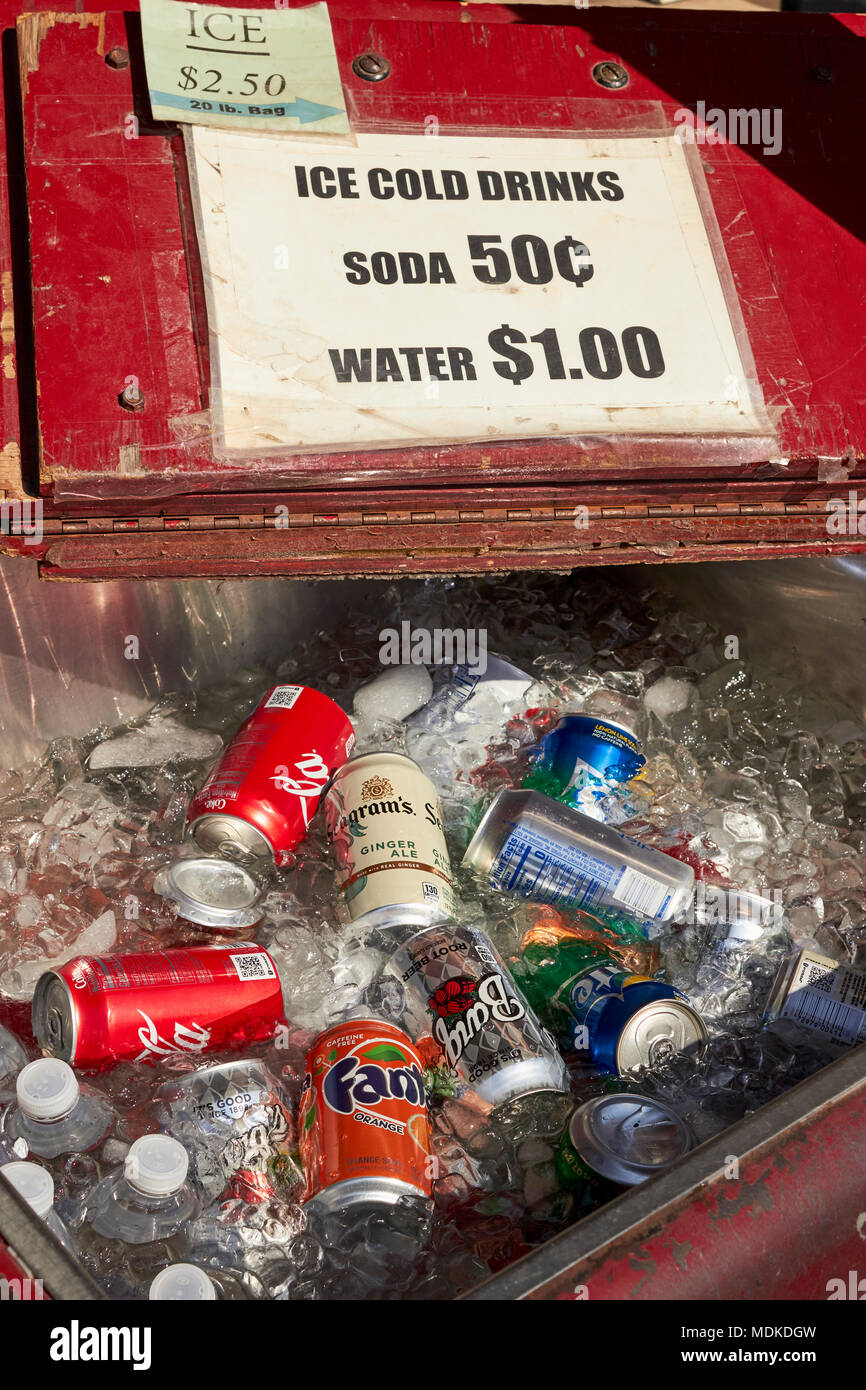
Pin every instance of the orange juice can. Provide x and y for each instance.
(365, 1135)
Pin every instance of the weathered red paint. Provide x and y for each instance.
(116, 291)
(737, 1219)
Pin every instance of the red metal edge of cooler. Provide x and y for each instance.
(772, 1209)
(431, 509)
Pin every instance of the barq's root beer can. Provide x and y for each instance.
(235, 1123)
(491, 1039)
(264, 791)
(364, 1132)
(385, 822)
(97, 1010)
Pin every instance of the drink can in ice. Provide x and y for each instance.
(530, 844)
(97, 1010)
(234, 1121)
(627, 1021)
(264, 791)
(490, 1037)
(501, 683)
(621, 1139)
(363, 1126)
(822, 994)
(583, 752)
(212, 893)
(385, 822)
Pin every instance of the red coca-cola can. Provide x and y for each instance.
(264, 791)
(97, 1010)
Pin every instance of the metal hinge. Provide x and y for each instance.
(279, 518)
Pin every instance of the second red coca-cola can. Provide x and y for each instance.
(97, 1010)
(264, 791)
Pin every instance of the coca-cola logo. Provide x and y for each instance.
(192, 1038)
(314, 773)
(306, 779)
(493, 1003)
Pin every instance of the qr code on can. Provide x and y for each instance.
(283, 696)
(252, 966)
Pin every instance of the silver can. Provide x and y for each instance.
(234, 1121)
(385, 822)
(469, 694)
(212, 893)
(624, 1139)
(527, 843)
(459, 990)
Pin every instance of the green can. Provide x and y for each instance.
(621, 1139)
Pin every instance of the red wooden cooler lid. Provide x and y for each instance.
(110, 286)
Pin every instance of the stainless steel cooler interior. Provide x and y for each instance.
(67, 661)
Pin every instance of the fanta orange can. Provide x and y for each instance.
(365, 1135)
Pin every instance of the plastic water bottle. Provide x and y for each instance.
(191, 1284)
(53, 1114)
(36, 1186)
(134, 1220)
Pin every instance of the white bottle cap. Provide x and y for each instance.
(35, 1184)
(186, 1282)
(47, 1089)
(156, 1164)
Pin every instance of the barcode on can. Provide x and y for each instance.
(843, 1022)
(252, 965)
(283, 696)
(640, 892)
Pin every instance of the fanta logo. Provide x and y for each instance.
(350, 1085)
(492, 1001)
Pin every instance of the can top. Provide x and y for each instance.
(182, 1281)
(240, 1073)
(211, 892)
(385, 756)
(656, 1031)
(54, 1016)
(230, 836)
(156, 1165)
(34, 1183)
(47, 1089)
(628, 1138)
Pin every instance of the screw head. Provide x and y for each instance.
(611, 75)
(372, 67)
(117, 58)
(131, 398)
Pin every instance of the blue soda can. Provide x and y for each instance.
(626, 1021)
(585, 752)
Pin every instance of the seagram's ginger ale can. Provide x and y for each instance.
(385, 823)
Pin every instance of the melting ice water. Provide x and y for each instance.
(754, 784)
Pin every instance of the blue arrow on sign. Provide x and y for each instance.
(305, 111)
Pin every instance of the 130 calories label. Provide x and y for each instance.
(829, 998)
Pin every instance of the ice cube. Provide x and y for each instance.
(153, 744)
(395, 694)
(667, 697)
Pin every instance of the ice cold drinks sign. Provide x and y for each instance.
(417, 289)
